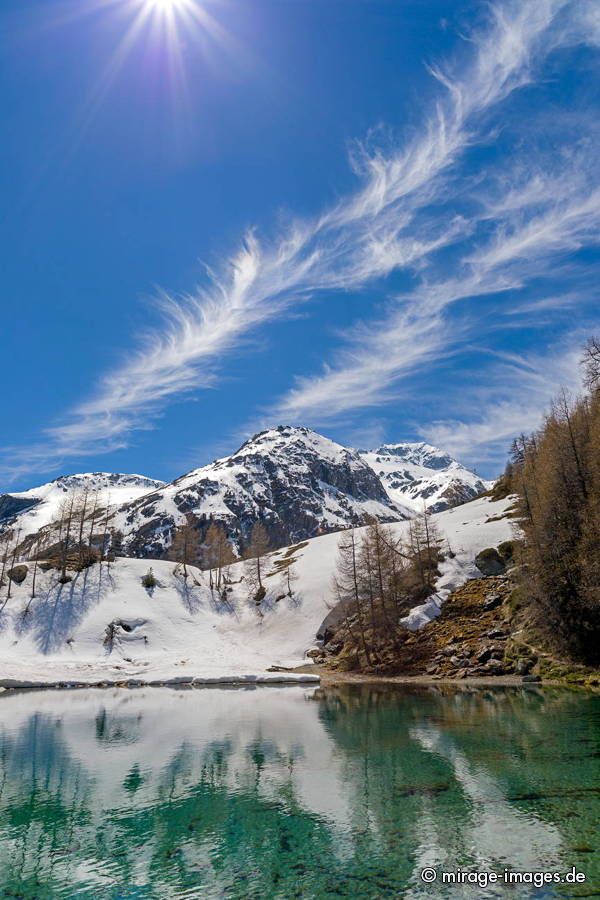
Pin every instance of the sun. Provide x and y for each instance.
(167, 7)
(171, 35)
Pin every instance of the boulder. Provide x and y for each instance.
(498, 634)
(524, 666)
(507, 550)
(489, 562)
(18, 574)
(495, 667)
(492, 602)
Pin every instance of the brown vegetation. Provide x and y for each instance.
(258, 548)
(185, 547)
(378, 579)
(556, 474)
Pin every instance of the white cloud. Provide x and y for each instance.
(511, 398)
(563, 226)
(418, 333)
(379, 355)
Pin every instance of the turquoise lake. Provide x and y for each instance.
(285, 792)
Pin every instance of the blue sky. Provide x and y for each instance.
(377, 218)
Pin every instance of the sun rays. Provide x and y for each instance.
(162, 28)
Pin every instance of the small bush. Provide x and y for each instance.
(148, 580)
(87, 558)
(109, 635)
(260, 595)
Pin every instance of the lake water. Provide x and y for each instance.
(295, 792)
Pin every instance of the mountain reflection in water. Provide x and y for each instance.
(294, 792)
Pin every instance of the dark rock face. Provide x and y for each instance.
(296, 482)
(456, 494)
(10, 506)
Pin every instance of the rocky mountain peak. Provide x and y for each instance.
(418, 453)
(297, 482)
(417, 474)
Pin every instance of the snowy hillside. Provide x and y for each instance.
(105, 625)
(297, 482)
(34, 509)
(414, 474)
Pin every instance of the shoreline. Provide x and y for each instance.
(180, 681)
(305, 675)
(332, 678)
(320, 679)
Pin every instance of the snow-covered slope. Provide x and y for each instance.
(297, 482)
(417, 474)
(34, 509)
(179, 630)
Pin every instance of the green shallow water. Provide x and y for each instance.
(295, 792)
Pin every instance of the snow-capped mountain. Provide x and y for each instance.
(297, 482)
(414, 474)
(34, 509)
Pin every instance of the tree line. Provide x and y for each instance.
(379, 577)
(555, 473)
(77, 536)
(214, 553)
(82, 533)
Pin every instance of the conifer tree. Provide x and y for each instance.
(557, 479)
(13, 561)
(348, 590)
(256, 550)
(217, 554)
(185, 547)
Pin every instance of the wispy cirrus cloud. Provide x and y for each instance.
(363, 238)
(417, 329)
(511, 397)
(565, 225)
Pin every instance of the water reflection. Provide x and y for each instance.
(288, 792)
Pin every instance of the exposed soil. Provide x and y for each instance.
(481, 636)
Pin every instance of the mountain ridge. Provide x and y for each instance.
(296, 481)
(35, 507)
